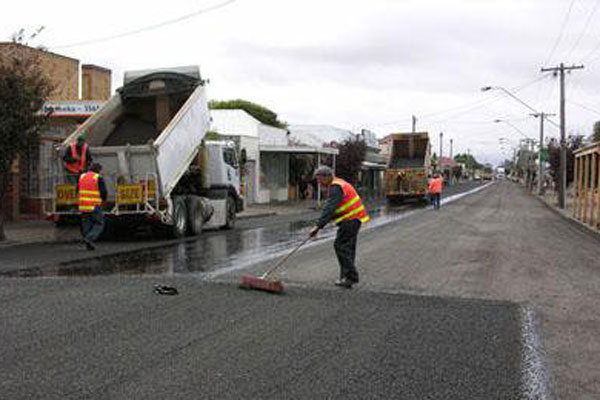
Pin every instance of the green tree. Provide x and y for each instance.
(573, 143)
(261, 113)
(23, 89)
(434, 161)
(468, 160)
(596, 134)
(349, 160)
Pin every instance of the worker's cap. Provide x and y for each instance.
(82, 137)
(324, 170)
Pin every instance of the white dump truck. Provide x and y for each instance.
(150, 140)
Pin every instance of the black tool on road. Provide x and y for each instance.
(165, 290)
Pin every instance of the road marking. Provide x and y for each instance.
(246, 260)
(534, 366)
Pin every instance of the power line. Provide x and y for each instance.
(146, 28)
(583, 106)
(587, 23)
(561, 32)
(480, 103)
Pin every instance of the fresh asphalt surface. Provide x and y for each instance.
(112, 338)
(473, 264)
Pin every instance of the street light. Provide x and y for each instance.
(512, 126)
(488, 88)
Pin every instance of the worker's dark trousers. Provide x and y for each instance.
(435, 199)
(345, 248)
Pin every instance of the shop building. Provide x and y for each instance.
(30, 189)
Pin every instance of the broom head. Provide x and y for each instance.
(259, 283)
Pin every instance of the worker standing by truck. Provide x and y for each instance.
(92, 193)
(345, 208)
(77, 158)
(435, 190)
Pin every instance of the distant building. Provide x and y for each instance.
(30, 186)
(371, 176)
(268, 152)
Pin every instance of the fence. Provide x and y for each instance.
(586, 205)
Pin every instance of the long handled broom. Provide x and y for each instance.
(262, 282)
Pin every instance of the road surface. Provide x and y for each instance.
(493, 297)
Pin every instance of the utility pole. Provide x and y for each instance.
(414, 124)
(469, 164)
(541, 116)
(562, 187)
(441, 143)
(451, 140)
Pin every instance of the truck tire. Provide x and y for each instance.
(195, 215)
(230, 213)
(179, 227)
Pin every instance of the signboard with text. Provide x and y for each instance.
(71, 108)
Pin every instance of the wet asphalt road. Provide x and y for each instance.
(252, 240)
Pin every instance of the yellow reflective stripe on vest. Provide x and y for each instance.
(343, 208)
(350, 214)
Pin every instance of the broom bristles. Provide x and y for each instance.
(258, 283)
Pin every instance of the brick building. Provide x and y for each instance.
(33, 175)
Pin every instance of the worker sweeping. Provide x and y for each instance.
(345, 208)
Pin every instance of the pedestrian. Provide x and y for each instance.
(77, 158)
(345, 208)
(435, 190)
(92, 193)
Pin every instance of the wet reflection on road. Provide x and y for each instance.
(210, 252)
(216, 252)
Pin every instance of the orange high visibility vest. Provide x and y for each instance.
(351, 206)
(77, 166)
(89, 192)
(435, 185)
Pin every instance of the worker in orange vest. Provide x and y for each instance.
(345, 208)
(435, 190)
(92, 193)
(77, 158)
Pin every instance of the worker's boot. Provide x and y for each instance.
(89, 245)
(344, 282)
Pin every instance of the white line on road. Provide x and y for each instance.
(534, 370)
(275, 251)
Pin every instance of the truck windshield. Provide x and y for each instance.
(229, 157)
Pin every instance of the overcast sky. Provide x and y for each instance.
(354, 64)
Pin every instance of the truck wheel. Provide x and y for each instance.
(230, 213)
(195, 215)
(179, 227)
